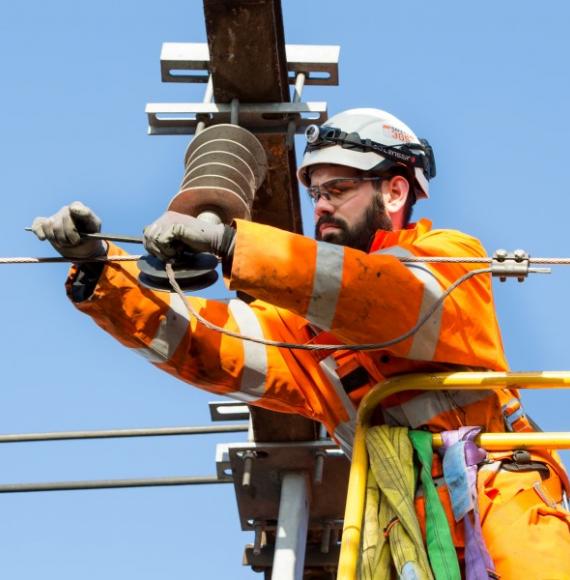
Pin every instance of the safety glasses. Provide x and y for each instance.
(339, 190)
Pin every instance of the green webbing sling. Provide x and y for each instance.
(442, 554)
(392, 540)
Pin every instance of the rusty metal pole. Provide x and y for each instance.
(253, 69)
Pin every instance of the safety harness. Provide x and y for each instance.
(460, 460)
(442, 554)
(392, 539)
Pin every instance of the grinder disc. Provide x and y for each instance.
(192, 271)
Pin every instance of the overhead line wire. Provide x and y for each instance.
(312, 347)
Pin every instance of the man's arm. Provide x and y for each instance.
(365, 298)
(157, 325)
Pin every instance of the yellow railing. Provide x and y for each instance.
(349, 553)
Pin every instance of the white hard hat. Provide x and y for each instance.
(369, 140)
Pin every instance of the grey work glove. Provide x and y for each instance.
(172, 230)
(63, 231)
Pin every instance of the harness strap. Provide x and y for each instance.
(460, 460)
(515, 417)
(521, 461)
(392, 539)
(441, 551)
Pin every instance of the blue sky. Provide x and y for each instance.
(487, 83)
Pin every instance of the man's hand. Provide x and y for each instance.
(171, 230)
(63, 230)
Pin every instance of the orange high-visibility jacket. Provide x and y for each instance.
(309, 291)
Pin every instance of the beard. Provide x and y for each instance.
(360, 235)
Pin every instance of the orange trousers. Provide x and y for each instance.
(525, 526)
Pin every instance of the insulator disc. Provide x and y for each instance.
(224, 167)
(192, 272)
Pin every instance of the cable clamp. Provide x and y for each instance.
(510, 265)
(513, 265)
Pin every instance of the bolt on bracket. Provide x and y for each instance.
(510, 265)
(513, 265)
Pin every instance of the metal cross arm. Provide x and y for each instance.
(189, 62)
(182, 118)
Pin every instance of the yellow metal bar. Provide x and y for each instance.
(354, 512)
(502, 441)
(460, 381)
(352, 528)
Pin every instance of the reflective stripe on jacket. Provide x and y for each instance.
(300, 284)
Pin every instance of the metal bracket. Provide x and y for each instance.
(513, 265)
(510, 265)
(228, 411)
(263, 465)
(314, 558)
(297, 93)
(189, 62)
(182, 118)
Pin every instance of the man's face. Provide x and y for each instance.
(354, 221)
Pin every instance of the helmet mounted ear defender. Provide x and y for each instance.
(369, 140)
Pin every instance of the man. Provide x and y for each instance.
(364, 169)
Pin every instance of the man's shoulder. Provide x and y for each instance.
(446, 241)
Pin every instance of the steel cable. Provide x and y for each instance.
(59, 259)
(311, 347)
(294, 346)
(403, 259)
